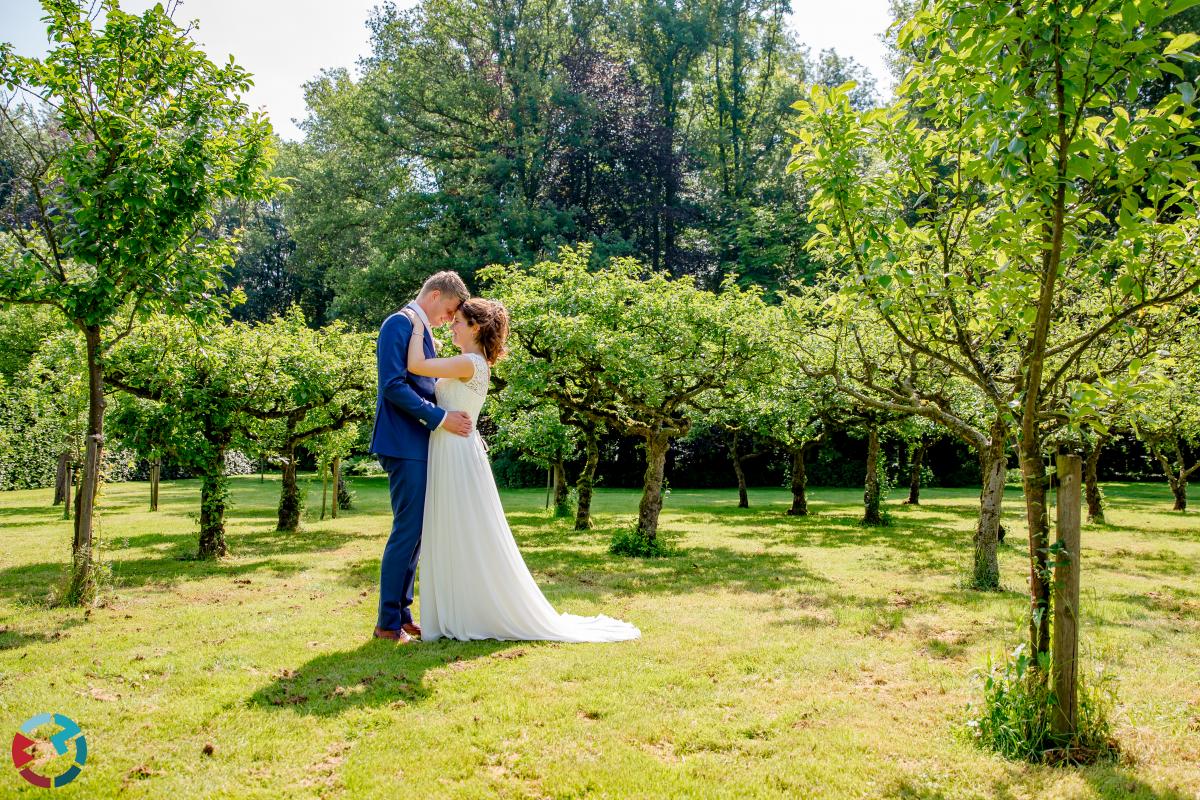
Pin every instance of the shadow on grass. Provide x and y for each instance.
(31, 583)
(46, 513)
(1115, 782)
(12, 639)
(378, 673)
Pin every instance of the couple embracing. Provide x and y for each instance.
(446, 510)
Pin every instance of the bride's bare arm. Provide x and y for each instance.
(418, 364)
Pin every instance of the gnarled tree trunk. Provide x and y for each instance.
(1177, 474)
(587, 481)
(289, 495)
(652, 499)
(872, 494)
(339, 487)
(916, 461)
(82, 587)
(1091, 468)
(994, 467)
(1034, 482)
(799, 482)
(743, 496)
(562, 491)
(214, 493)
(61, 476)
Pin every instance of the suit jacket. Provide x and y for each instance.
(405, 409)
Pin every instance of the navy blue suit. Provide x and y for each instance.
(405, 414)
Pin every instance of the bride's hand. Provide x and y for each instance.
(417, 325)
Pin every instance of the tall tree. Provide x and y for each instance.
(1033, 213)
(139, 138)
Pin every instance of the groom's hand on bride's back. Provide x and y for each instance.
(458, 422)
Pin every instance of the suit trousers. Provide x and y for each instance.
(398, 569)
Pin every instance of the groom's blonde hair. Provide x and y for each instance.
(446, 282)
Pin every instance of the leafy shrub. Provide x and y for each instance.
(1014, 718)
(361, 465)
(629, 541)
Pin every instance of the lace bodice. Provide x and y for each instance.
(465, 394)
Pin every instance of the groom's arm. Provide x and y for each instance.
(392, 352)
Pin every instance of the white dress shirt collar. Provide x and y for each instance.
(421, 313)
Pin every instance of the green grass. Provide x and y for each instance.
(780, 657)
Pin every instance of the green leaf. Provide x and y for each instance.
(1180, 43)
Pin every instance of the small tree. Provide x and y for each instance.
(639, 355)
(1168, 420)
(330, 448)
(146, 428)
(327, 381)
(534, 428)
(132, 140)
(225, 383)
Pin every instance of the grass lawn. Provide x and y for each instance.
(780, 657)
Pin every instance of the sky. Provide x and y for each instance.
(284, 43)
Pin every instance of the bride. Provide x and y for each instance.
(474, 583)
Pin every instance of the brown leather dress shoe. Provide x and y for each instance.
(399, 637)
(412, 629)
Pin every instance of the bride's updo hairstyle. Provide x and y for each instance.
(491, 321)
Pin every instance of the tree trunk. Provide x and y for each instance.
(587, 481)
(652, 500)
(68, 485)
(214, 493)
(799, 484)
(61, 476)
(289, 496)
(1095, 500)
(324, 492)
(562, 492)
(339, 487)
(872, 494)
(993, 466)
(914, 472)
(1177, 480)
(743, 497)
(155, 473)
(82, 587)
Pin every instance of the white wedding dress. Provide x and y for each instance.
(473, 582)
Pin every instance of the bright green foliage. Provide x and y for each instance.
(1167, 417)
(1018, 209)
(1014, 717)
(281, 381)
(142, 137)
(130, 139)
(639, 354)
(43, 413)
(325, 381)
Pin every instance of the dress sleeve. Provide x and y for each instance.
(479, 378)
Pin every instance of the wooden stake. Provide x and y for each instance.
(1064, 659)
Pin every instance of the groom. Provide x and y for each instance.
(405, 414)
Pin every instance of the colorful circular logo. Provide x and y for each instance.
(24, 748)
